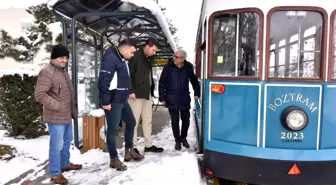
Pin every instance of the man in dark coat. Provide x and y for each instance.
(174, 94)
(142, 91)
(114, 84)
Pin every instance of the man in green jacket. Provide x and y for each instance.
(142, 89)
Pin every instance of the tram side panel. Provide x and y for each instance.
(292, 116)
(232, 112)
(328, 123)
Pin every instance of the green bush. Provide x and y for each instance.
(7, 152)
(20, 114)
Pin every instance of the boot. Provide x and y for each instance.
(72, 167)
(59, 179)
(130, 154)
(154, 149)
(185, 143)
(117, 164)
(136, 150)
(177, 145)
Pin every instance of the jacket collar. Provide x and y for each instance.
(115, 51)
(142, 51)
(172, 63)
(57, 66)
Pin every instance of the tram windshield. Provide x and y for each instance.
(295, 44)
(235, 44)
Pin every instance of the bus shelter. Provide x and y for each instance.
(91, 26)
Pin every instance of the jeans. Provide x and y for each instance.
(59, 147)
(119, 111)
(175, 119)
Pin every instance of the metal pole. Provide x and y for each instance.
(74, 76)
(114, 14)
(65, 34)
(64, 30)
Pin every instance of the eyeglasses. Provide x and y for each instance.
(177, 56)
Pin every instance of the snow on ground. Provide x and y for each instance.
(29, 154)
(170, 167)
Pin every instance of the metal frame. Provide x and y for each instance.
(107, 16)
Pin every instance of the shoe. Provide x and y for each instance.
(178, 146)
(154, 149)
(117, 164)
(72, 167)
(59, 179)
(131, 154)
(185, 143)
(136, 150)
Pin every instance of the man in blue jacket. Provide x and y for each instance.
(114, 88)
(174, 94)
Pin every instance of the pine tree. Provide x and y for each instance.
(24, 48)
(173, 29)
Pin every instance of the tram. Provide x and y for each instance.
(267, 108)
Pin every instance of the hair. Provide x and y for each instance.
(127, 42)
(151, 42)
(184, 53)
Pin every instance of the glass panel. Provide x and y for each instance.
(86, 83)
(235, 45)
(156, 77)
(297, 49)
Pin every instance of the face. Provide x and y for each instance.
(150, 50)
(128, 52)
(61, 61)
(178, 57)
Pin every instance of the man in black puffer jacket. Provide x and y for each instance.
(174, 94)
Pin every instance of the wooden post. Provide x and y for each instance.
(93, 133)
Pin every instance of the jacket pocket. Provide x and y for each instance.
(64, 107)
(170, 99)
(56, 106)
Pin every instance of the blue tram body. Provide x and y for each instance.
(267, 109)
(245, 121)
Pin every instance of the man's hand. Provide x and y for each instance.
(107, 107)
(196, 97)
(132, 96)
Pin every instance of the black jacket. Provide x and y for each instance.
(174, 85)
(113, 63)
(141, 71)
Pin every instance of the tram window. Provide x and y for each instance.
(235, 44)
(295, 44)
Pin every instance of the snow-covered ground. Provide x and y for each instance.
(29, 154)
(170, 167)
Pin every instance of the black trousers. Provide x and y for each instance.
(175, 119)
